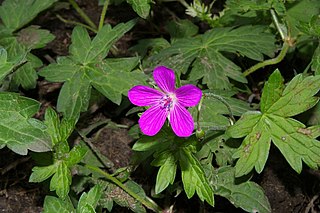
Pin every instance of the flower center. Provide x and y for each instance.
(167, 101)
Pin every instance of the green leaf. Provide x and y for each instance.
(74, 96)
(247, 195)
(301, 11)
(40, 174)
(141, 7)
(80, 45)
(76, 154)
(112, 83)
(5, 66)
(215, 114)
(204, 54)
(26, 75)
(105, 38)
(166, 174)
(18, 131)
(296, 98)
(90, 199)
(61, 71)
(182, 28)
(194, 178)
(24, 11)
(54, 205)
(33, 38)
(86, 67)
(278, 103)
(61, 180)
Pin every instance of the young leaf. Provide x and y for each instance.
(274, 124)
(89, 200)
(141, 7)
(17, 130)
(76, 154)
(247, 195)
(204, 54)
(40, 174)
(54, 205)
(194, 178)
(166, 173)
(24, 11)
(61, 180)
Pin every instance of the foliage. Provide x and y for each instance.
(216, 52)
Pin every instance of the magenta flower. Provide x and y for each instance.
(167, 102)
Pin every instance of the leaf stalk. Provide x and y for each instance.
(103, 14)
(83, 14)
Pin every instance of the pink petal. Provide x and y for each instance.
(181, 121)
(144, 96)
(188, 95)
(152, 120)
(164, 78)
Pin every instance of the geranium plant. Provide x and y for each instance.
(206, 94)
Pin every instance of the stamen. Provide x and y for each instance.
(166, 102)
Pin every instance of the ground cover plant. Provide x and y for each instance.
(160, 106)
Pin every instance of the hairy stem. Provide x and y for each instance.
(272, 61)
(76, 23)
(287, 42)
(147, 202)
(83, 14)
(103, 14)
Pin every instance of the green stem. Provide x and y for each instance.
(278, 25)
(272, 61)
(83, 14)
(287, 42)
(146, 202)
(76, 23)
(103, 14)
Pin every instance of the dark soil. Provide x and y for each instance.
(287, 191)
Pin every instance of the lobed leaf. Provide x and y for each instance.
(204, 54)
(292, 138)
(24, 11)
(17, 130)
